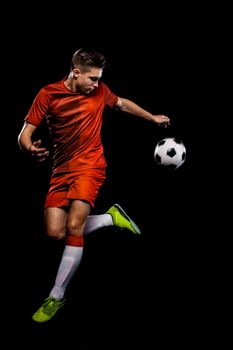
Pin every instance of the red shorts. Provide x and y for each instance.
(65, 187)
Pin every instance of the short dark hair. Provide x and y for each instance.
(85, 58)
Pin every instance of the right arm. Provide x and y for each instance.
(26, 144)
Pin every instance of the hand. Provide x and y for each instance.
(161, 119)
(36, 151)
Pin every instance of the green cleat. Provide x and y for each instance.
(48, 309)
(122, 220)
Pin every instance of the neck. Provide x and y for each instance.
(68, 82)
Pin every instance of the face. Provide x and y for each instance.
(88, 81)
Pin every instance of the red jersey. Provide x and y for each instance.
(75, 121)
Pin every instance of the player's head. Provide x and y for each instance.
(84, 59)
(87, 68)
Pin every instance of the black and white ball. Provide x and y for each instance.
(170, 152)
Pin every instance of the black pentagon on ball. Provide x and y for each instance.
(171, 152)
(162, 142)
(183, 156)
(158, 158)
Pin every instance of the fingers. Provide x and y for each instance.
(41, 156)
(166, 124)
(40, 153)
(165, 121)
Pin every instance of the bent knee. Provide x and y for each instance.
(75, 228)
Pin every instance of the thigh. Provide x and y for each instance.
(55, 222)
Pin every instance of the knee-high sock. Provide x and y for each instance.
(94, 222)
(70, 261)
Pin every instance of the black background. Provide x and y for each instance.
(127, 287)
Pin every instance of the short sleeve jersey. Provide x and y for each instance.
(74, 121)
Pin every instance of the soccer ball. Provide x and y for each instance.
(170, 152)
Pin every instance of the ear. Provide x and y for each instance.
(76, 73)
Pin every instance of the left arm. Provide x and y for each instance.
(128, 106)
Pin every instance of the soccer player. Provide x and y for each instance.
(73, 108)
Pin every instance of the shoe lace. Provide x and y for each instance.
(49, 306)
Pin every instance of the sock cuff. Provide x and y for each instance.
(75, 241)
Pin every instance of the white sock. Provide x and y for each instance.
(70, 261)
(94, 222)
